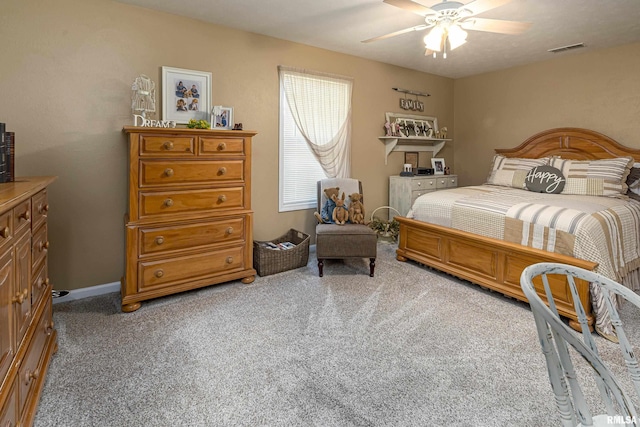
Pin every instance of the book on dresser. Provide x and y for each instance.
(189, 219)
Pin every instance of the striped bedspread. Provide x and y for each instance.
(605, 230)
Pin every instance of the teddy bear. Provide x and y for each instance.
(326, 213)
(340, 213)
(356, 208)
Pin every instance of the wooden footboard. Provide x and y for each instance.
(490, 263)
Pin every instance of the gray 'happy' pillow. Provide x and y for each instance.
(545, 179)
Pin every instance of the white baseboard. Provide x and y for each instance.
(91, 291)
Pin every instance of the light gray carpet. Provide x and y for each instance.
(410, 347)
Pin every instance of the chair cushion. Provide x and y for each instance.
(345, 241)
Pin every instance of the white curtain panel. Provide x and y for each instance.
(321, 108)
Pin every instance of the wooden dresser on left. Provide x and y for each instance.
(27, 336)
(189, 220)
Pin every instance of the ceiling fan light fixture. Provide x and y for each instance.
(457, 36)
(433, 40)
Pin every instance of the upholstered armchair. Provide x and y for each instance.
(344, 241)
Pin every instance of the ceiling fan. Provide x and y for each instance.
(449, 19)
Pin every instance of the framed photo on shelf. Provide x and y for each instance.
(438, 166)
(186, 94)
(411, 158)
(410, 125)
(221, 117)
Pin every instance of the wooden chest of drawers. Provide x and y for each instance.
(403, 190)
(27, 336)
(189, 220)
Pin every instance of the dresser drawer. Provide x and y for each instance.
(193, 201)
(221, 145)
(191, 236)
(189, 172)
(174, 271)
(22, 216)
(6, 228)
(167, 146)
(40, 285)
(39, 209)
(447, 182)
(40, 245)
(416, 194)
(8, 412)
(30, 369)
(423, 184)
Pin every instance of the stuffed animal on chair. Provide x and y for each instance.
(340, 213)
(356, 209)
(326, 213)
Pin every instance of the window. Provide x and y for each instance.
(315, 132)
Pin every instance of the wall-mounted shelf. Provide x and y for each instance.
(411, 143)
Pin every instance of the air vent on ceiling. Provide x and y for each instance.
(566, 48)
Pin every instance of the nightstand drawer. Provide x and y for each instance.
(173, 146)
(191, 236)
(173, 271)
(220, 145)
(166, 173)
(447, 182)
(193, 201)
(416, 194)
(423, 184)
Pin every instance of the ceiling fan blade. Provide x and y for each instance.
(411, 6)
(397, 33)
(495, 26)
(478, 6)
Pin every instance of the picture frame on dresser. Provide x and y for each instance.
(438, 165)
(186, 94)
(221, 117)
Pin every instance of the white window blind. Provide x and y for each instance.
(315, 131)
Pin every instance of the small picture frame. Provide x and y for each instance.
(186, 94)
(221, 117)
(411, 158)
(438, 165)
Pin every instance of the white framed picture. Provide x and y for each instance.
(186, 94)
(221, 117)
(438, 166)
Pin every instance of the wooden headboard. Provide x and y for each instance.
(570, 143)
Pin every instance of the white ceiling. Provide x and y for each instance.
(341, 25)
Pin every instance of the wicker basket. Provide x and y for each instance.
(268, 261)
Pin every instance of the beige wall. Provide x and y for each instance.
(65, 77)
(598, 90)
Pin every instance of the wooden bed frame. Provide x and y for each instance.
(496, 264)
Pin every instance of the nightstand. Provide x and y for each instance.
(404, 190)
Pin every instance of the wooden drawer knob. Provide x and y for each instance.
(168, 172)
(28, 376)
(20, 296)
(222, 170)
(5, 232)
(159, 273)
(229, 260)
(168, 203)
(159, 240)
(44, 246)
(222, 146)
(43, 209)
(25, 215)
(44, 283)
(48, 329)
(222, 198)
(168, 145)
(229, 230)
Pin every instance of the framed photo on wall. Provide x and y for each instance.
(411, 158)
(186, 94)
(221, 117)
(438, 165)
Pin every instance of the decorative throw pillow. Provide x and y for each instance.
(545, 179)
(605, 177)
(633, 182)
(511, 171)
